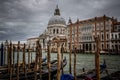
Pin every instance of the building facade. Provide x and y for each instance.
(115, 38)
(81, 34)
(31, 42)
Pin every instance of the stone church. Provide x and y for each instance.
(56, 27)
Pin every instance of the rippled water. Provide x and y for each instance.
(85, 61)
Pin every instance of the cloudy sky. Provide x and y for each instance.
(22, 19)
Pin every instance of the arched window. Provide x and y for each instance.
(53, 31)
(102, 46)
(57, 31)
(119, 35)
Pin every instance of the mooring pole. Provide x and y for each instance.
(5, 52)
(70, 54)
(10, 58)
(74, 62)
(36, 64)
(2, 55)
(39, 50)
(24, 61)
(59, 60)
(48, 60)
(62, 58)
(29, 58)
(97, 61)
(18, 50)
(13, 58)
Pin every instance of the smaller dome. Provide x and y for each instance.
(56, 20)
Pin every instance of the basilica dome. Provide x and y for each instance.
(56, 19)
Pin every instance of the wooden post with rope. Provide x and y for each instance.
(48, 60)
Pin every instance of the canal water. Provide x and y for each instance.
(86, 61)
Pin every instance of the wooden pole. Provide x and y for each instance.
(24, 62)
(59, 61)
(97, 61)
(40, 59)
(5, 56)
(104, 19)
(48, 60)
(75, 63)
(13, 70)
(62, 58)
(2, 55)
(29, 58)
(10, 58)
(70, 54)
(36, 63)
(18, 50)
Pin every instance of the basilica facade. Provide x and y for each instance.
(56, 27)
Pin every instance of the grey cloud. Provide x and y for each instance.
(22, 19)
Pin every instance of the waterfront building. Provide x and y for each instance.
(115, 38)
(82, 33)
(56, 27)
(31, 42)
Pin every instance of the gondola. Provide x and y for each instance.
(89, 75)
(30, 75)
(92, 73)
(4, 69)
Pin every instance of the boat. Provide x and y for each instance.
(88, 75)
(31, 75)
(91, 74)
(4, 69)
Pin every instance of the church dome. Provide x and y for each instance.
(56, 19)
